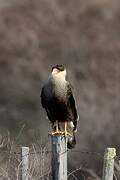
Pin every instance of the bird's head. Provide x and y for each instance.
(59, 71)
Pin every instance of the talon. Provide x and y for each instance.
(66, 133)
(55, 133)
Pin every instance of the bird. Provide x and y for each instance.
(58, 101)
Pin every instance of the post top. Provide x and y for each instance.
(110, 153)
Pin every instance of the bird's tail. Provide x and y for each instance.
(71, 141)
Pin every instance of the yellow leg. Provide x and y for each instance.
(57, 131)
(66, 133)
(65, 128)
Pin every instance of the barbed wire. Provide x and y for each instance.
(91, 153)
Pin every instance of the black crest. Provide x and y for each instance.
(59, 67)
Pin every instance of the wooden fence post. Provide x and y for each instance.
(108, 166)
(24, 162)
(59, 157)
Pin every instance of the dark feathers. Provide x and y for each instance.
(59, 109)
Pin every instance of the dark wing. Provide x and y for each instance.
(43, 98)
(72, 106)
(44, 104)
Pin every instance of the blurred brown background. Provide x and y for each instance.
(84, 35)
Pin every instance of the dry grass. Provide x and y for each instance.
(39, 164)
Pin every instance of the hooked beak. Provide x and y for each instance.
(55, 71)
